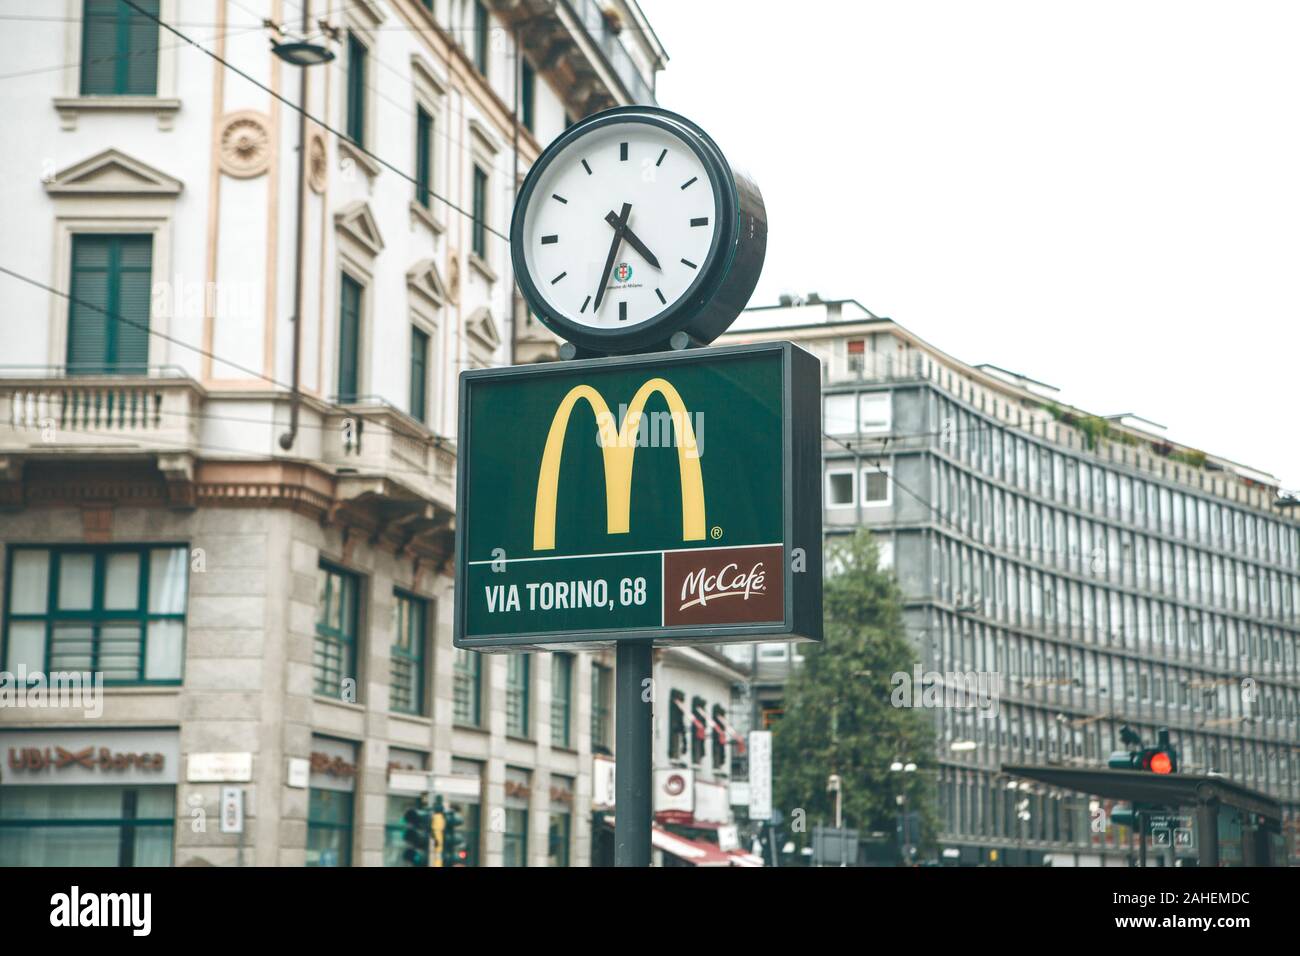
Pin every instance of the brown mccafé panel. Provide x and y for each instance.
(724, 586)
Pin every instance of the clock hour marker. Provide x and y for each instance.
(622, 151)
(702, 221)
(585, 303)
(661, 296)
(661, 157)
(688, 182)
(563, 274)
(560, 198)
(586, 167)
(551, 240)
(622, 311)
(687, 262)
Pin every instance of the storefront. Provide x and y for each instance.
(88, 798)
(331, 796)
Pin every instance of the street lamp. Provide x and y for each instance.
(302, 54)
(899, 766)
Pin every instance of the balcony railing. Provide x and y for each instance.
(62, 414)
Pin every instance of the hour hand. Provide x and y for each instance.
(633, 240)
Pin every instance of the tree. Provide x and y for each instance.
(838, 712)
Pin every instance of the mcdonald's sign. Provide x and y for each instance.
(673, 496)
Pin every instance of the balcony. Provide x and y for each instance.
(54, 416)
(370, 439)
(578, 35)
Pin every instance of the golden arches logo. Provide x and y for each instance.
(618, 447)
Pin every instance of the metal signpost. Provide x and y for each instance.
(659, 492)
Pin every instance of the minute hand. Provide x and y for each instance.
(618, 223)
(634, 241)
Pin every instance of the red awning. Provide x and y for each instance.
(742, 858)
(694, 852)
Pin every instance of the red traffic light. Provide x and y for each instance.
(1157, 761)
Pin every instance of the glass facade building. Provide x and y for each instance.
(1097, 574)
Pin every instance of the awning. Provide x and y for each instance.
(743, 858)
(694, 852)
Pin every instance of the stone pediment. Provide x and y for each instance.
(112, 172)
(482, 328)
(423, 277)
(358, 221)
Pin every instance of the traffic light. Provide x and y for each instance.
(454, 852)
(1162, 758)
(419, 826)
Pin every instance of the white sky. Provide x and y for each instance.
(1104, 196)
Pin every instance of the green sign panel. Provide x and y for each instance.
(674, 496)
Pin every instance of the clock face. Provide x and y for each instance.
(634, 187)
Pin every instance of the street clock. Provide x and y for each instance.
(632, 227)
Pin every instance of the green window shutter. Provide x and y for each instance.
(356, 90)
(119, 49)
(423, 142)
(481, 37)
(527, 94)
(349, 338)
(419, 374)
(131, 335)
(479, 226)
(108, 317)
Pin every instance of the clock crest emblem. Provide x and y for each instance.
(623, 271)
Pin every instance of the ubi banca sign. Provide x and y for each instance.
(672, 496)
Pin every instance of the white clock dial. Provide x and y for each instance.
(572, 220)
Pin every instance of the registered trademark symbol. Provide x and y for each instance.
(716, 533)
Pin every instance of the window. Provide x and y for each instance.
(118, 611)
(87, 826)
(527, 95)
(518, 667)
(329, 828)
(558, 839)
(719, 737)
(676, 724)
(514, 842)
(601, 684)
(839, 489)
(419, 375)
(468, 683)
(875, 413)
(108, 310)
(480, 210)
(119, 49)
(410, 630)
(840, 415)
(856, 355)
(349, 338)
(423, 156)
(699, 729)
(355, 125)
(561, 700)
(335, 653)
(875, 487)
(481, 37)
